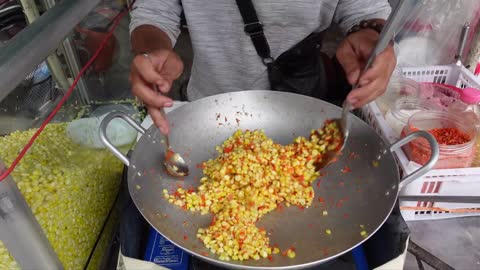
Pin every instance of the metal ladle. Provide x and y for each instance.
(174, 163)
(387, 35)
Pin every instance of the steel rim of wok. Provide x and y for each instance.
(367, 193)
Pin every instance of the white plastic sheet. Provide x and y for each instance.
(432, 29)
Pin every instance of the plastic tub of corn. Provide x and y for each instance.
(69, 188)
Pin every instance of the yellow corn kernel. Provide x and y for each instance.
(251, 176)
(70, 190)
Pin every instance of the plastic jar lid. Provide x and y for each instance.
(405, 107)
(402, 86)
(470, 96)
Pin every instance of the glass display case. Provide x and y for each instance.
(56, 205)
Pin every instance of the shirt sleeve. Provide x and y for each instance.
(351, 12)
(164, 14)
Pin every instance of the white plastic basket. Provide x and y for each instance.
(445, 182)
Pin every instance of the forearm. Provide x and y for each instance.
(147, 38)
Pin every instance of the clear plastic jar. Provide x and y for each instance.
(471, 96)
(451, 156)
(402, 109)
(398, 87)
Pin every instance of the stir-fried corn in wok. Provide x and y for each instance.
(249, 178)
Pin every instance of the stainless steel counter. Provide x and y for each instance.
(454, 241)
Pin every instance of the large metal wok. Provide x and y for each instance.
(355, 201)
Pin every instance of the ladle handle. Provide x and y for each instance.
(164, 115)
(435, 153)
(103, 133)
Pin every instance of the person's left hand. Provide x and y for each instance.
(353, 54)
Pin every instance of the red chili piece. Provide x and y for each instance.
(450, 136)
(346, 169)
(169, 154)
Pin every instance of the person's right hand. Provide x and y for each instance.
(158, 68)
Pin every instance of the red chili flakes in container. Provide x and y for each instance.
(449, 136)
(453, 144)
(454, 133)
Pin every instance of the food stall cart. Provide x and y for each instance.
(59, 207)
(58, 203)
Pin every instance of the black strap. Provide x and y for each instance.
(254, 28)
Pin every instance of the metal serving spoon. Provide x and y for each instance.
(343, 124)
(174, 163)
(387, 35)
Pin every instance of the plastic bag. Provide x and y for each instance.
(432, 29)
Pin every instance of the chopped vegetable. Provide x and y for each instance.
(291, 254)
(346, 169)
(251, 177)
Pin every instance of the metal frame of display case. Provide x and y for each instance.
(19, 230)
(35, 43)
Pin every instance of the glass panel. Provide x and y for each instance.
(69, 180)
(12, 20)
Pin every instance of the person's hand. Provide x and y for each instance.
(353, 55)
(152, 71)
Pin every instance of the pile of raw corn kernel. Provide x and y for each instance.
(251, 176)
(70, 190)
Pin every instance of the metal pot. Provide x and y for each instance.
(358, 200)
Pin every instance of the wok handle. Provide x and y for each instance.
(103, 133)
(425, 168)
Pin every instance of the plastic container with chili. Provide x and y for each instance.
(471, 96)
(455, 134)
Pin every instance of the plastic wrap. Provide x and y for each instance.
(432, 29)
